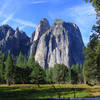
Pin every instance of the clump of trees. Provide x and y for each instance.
(91, 67)
(62, 74)
(20, 72)
(92, 60)
(28, 71)
(37, 74)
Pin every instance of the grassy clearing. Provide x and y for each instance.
(31, 92)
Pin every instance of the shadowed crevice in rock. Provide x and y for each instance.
(62, 43)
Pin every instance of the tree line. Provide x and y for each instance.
(23, 71)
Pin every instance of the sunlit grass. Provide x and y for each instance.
(31, 92)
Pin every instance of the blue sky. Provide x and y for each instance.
(26, 14)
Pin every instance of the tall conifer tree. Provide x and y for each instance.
(9, 70)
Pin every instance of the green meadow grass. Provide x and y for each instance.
(31, 92)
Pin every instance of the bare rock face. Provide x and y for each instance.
(42, 27)
(4, 31)
(13, 41)
(61, 44)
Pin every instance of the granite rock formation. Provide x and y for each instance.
(61, 44)
(13, 41)
(42, 27)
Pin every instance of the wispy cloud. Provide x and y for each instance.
(7, 16)
(83, 15)
(39, 1)
(7, 19)
(19, 22)
(3, 7)
(24, 22)
(22, 27)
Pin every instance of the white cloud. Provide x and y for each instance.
(2, 9)
(83, 15)
(78, 13)
(22, 27)
(6, 7)
(17, 22)
(39, 1)
(7, 19)
(7, 15)
(24, 22)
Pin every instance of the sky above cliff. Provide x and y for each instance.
(26, 14)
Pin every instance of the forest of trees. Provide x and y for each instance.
(23, 71)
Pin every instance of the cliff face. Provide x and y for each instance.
(42, 27)
(13, 41)
(62, 43)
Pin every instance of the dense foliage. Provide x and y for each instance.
(24, 71)
(92, 51)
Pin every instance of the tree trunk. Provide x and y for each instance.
(7, 81)
(84, 81)
(38, 85)
(23, 82)
(74, 92)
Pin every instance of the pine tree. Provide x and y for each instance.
(9, 70)
(25, 63)
(20, 60)
(77, 74)
(22, 75)
(49, 75)
(90, 65)
(60, 73)
(1, 67)
(98, 63)
(31, 61)
(95, 3)
(38, 74)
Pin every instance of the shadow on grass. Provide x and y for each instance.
(26, 93)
